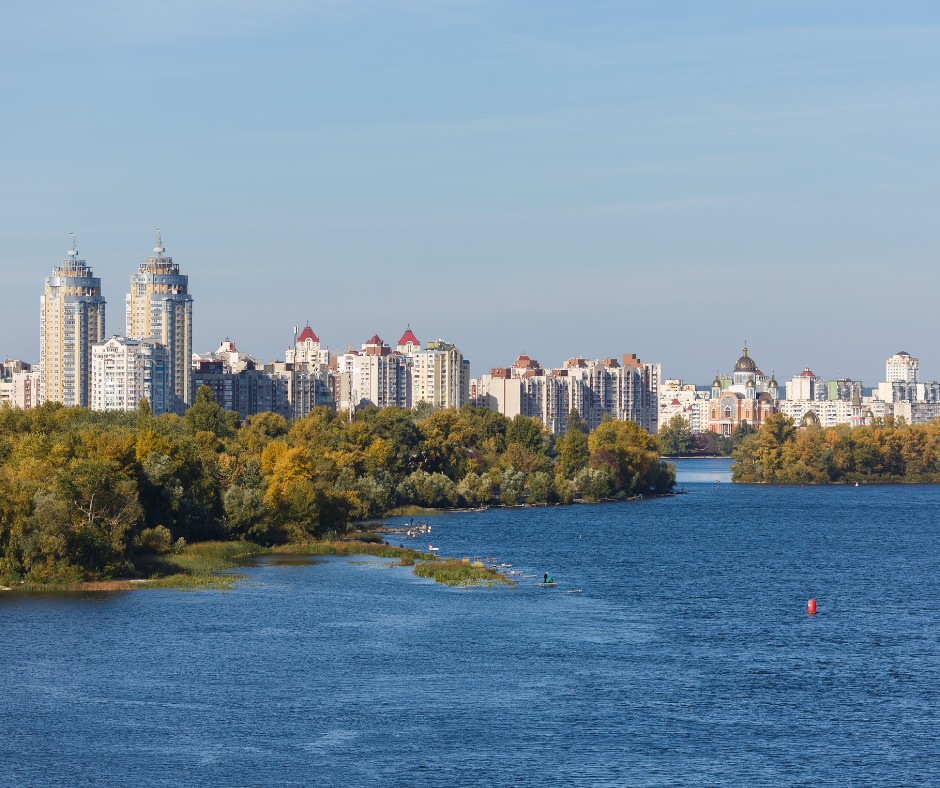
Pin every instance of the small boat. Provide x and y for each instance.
(433, 549)
(550, 584)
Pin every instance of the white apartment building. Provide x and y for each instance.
(72, 313)
(440, 375)
(307, 349)
(125, 371)
(233, 361)
(375, 375)
(626, 391)
(806, 386)
(683, 399)
(828, 412)
(20, 389)
(902, 367)
(911, 398)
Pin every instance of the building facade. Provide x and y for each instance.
(72, 320)
(749, 398)
(375, 375)
(607, 388)
(440, 375)
(125, 371)
(160, 307)
(19, 384)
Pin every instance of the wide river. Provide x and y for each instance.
(675, 650)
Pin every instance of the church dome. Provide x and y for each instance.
(810, 419)
(745, 363)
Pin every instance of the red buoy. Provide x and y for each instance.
(811, 607)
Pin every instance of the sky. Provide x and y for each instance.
(561, 179)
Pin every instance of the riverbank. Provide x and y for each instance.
(208, 565)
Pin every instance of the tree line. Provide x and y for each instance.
(677, 440)
(88, 495)
(888, 450)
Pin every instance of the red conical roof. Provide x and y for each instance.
(306, 334)
(407, 337)
(376, 340)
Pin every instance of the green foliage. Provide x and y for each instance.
(540, 488)
(475, 489)
(430, 489)
(511, 485)
(596, 484)
(206, 415)
(91, 495)
(779, 453)
(573, 453)
(675, 437)
(575, 423)
(528, 433)
(632, 455)
(459, 573)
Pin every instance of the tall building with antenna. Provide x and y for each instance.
(71, 321)
(159, 307)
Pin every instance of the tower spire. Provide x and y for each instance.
(158, 246)
(73, 250)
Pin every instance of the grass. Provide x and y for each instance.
(199, 564)
(454, 572)
(406, 555)
(412, 511)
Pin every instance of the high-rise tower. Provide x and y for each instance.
(159, 307)
(71, 321)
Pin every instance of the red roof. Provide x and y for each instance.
(807, 373)
(376, 340)
(306, 334)
(407, 337)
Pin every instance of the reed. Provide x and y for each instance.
(454, 572)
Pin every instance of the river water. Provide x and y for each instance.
(675, 650)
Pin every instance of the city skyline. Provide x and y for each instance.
(245, 344)
(490, 173)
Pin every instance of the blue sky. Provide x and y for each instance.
(557, 178)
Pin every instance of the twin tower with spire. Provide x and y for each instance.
(158, 308)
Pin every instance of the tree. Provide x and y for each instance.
(637, 456)
(540, 488)
(475, 489)
(206, 415)
(575, 423)
(527, 432)
(573, 453)
(675, 436)
(511, 485)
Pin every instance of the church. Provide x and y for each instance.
(746, 397)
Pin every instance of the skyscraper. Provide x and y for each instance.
(159, 307)
(71, 321)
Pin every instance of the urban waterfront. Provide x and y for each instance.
(685, 657)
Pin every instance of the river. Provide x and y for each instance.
(675, 650)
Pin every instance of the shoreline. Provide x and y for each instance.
(200, 565)
(224, 559)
